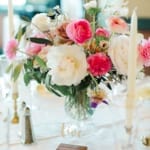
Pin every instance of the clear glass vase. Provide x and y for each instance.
(79, 111)
(78, 106)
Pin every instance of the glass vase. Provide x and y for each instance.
(78, 107)
(79, 112)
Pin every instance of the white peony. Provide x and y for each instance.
(41, 22)
(67, 64)
(118, 52)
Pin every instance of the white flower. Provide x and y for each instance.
(91, 4)
(118, 52)
(67, 64)
(41, 22)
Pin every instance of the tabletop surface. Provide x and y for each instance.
(51, 126)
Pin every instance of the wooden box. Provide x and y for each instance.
(71, 147)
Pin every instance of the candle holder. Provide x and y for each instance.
(129, 142)
(15, 118)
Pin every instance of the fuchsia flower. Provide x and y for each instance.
(117, 25)
(11, 48)
(144, 50)
(102, 32)
(99, 64)
(79, 31)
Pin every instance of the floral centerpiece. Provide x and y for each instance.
(72, 57)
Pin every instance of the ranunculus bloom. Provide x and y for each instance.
(102, 32)
(99, 64)
(79, 31)
(118, 52)
(67, 64)
(117, 25)
(61, 35)
(11, 48)
(144, 50)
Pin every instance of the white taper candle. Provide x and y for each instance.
(132, 63)
(10, 18)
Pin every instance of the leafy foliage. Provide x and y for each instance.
(40, 40)
(32, 73)
(21, 32)
(14, 70)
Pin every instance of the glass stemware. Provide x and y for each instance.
(4, 78)
(142, 127)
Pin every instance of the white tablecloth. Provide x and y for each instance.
(105, 131)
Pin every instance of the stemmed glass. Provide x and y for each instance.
(4, 93)
(4, 78)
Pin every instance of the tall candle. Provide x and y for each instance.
(131, 82)
(10, 18)
(11, 31)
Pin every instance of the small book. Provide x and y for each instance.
(63, 146)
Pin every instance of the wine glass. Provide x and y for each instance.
(4, 79)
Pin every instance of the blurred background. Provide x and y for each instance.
(31, 7)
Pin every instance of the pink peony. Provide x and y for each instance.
(144, 50)
(118, 25)
(102, 32)
(79, 31)
(99, 64)
(11, 48)
(34, 48)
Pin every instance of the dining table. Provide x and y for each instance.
(51, 126)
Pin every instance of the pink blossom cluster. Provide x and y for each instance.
(80, 31)
(11, 49)
(144, 49)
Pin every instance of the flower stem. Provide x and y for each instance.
(93, 23)
(93, 80)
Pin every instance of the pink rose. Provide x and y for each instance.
(118, 25)
(11, 48)
(144, 50)
(79, 31)
(102, 32)
(99, 64)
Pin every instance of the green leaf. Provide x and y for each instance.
(16, 72)
(40, 40)
(28, 65)
(40, 62)
(25, 18)
(48, 86)
(20, 32)
(60, 90)
(9, 68)
(27, 78)
(84, 83)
